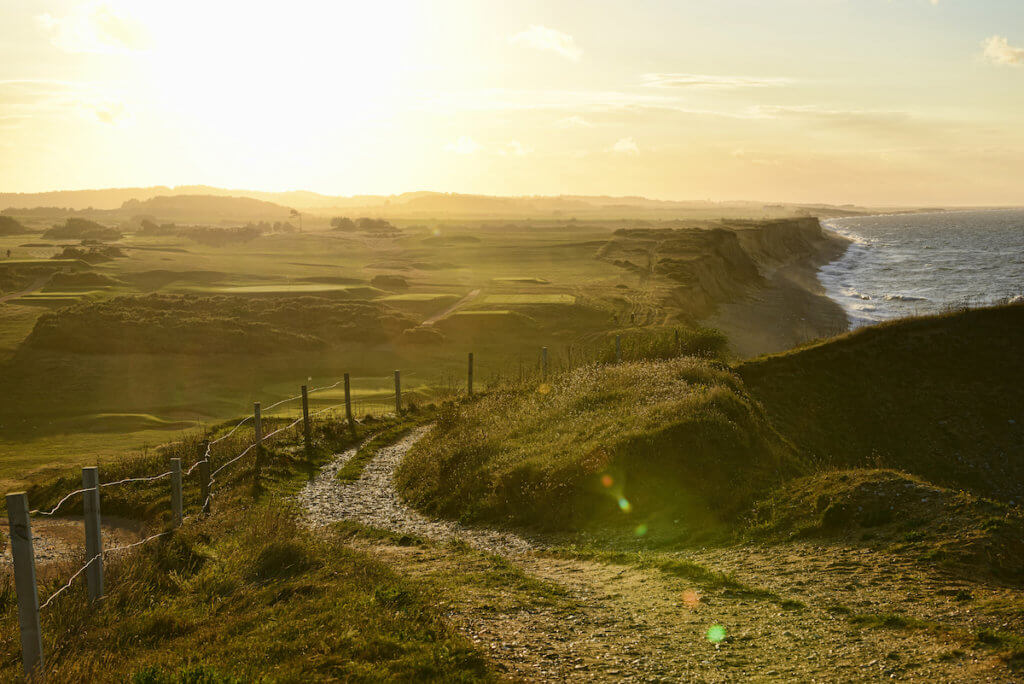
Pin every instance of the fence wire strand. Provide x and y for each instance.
(92, 560)
(205, 459)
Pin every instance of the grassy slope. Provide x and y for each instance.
(678, 437)
(244, 594)
(941, 397)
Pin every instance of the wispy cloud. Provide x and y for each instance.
(837, 116)
(464, 145)
(548, 39)
(574, 121)
(626, 146)
(710, 82)
(95, 27)
(28, 99)
(514, 148)
(999, 51)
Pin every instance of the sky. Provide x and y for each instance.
(876, 102)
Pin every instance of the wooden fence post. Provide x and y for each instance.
(348, 407)
(470, 382)
(307, 434)
(398, 393)
(204, 484)
(176, 505)
(544, 364)
(25, 583)
(257, 424)
(618, 349)
(677, 342)
(93, 534)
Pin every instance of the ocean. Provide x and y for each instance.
(913, 264)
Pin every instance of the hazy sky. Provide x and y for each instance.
(866, 101)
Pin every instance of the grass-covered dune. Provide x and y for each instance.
(677, 439)
(209, 325)
(940, 397)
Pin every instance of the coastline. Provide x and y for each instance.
(791, 307)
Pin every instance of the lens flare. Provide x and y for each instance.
(641, 530)
(716, 634)
(691, 599)
(607, 481)
(625, 505)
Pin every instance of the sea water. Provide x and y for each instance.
(913, 264)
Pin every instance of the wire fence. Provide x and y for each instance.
(347, 409)
(533, 367)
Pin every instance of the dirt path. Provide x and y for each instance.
(60, 540)
(34, 287)
(546, 617)
(453, 308)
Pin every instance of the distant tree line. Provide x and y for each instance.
(214, 236)
(363, 225)
(82, 229)
(10, 226)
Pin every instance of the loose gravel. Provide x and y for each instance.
(373, 500)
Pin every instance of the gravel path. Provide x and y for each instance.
(372, 500)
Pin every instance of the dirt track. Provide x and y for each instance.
(590, 620)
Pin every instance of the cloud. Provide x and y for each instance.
(626, 146)
(548, 39)
(94, 27)
(574, 121)
(109, 112)
(705, 81)
(464, 145)
(850, 117)
(514, 148)
(999, 51)
(34, 99)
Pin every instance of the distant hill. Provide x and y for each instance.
(206, 208)
(437, 204)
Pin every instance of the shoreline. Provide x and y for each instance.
(790, 308)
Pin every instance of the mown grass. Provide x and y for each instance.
(612, 443)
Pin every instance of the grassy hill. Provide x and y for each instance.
(941, 397)
(634, 444)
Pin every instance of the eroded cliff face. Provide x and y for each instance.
(708, 265)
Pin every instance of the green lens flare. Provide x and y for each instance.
(625, 505)
(716, 634)
(641, 530)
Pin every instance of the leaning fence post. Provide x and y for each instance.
(176, 505)
(25, 582)
(348, 407)
(93, 534)
(470, 381)
(544, 364)
(307, 436)
(204, 484)
(398, 393)
(618, 349)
